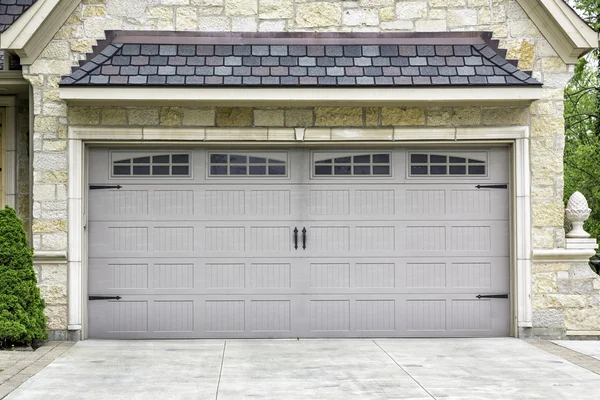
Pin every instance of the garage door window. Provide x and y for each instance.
(440, 164)
(174, 164)
(357, 164)
(247, 164)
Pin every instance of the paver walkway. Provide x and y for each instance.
(17, 366)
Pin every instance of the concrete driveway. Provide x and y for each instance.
(310, 369)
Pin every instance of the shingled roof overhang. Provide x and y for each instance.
(11, 10)
(244, 68)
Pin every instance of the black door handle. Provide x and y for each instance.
(304, 238)
(296, 238)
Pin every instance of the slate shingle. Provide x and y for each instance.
(289, 80)
(158, 60)
(423, 51)
(297, 51)
(352, 51)
(186, 50)
(381, 61)
(167, 50)
(288, 61)
(389, 51)
(205, 50)
(325, 61)
(260, 50)
(327, 65)
(149, 49)
(223, 50)
(407, 51)
(363, 61)
(399, 61)
(315, 51)
(242, 50)
(344, 61)
(131, 50)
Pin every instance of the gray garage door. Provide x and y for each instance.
(201, 243)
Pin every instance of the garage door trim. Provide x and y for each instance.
(81, 137)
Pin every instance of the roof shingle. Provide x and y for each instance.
(11, 10)
(253, 64)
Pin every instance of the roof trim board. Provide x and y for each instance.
(566, 32)
(306, 96)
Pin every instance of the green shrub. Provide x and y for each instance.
(22, 319)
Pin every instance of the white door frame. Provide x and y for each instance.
(8, 119)
(520, 191)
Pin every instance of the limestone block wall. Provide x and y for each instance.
(566, 299)
(297, 117)
(23, 186)
(91, 18)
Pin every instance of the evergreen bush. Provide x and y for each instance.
(22, 319)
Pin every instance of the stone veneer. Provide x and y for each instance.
(566, 296)
(504, 18)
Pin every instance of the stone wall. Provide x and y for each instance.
(566, 297)
(91, 18)
(298, 117)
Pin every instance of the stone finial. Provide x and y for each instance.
(577, 212)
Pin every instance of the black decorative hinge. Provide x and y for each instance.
(104, 297)
(492, 296)
(97, 187)
(492, 186)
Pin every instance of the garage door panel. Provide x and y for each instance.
(454, 238)
(172, 203)
(233, 316)
(189, 276)
(213, 256)
(181, 239)
(419, 201)
(314, 275)
(442, 238)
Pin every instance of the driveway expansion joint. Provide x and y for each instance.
(405, 371)
(221, 369)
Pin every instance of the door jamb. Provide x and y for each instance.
(8, 115)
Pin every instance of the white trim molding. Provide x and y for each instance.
(80, 136)
(488, 95)
(208, 134)
(9, 103)
(522, 230)
(566, 32)
(76, 235)
(32, 31)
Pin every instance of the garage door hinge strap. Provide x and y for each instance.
(492, 186)
(492, 296)
(97, 187)
(104, 297)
